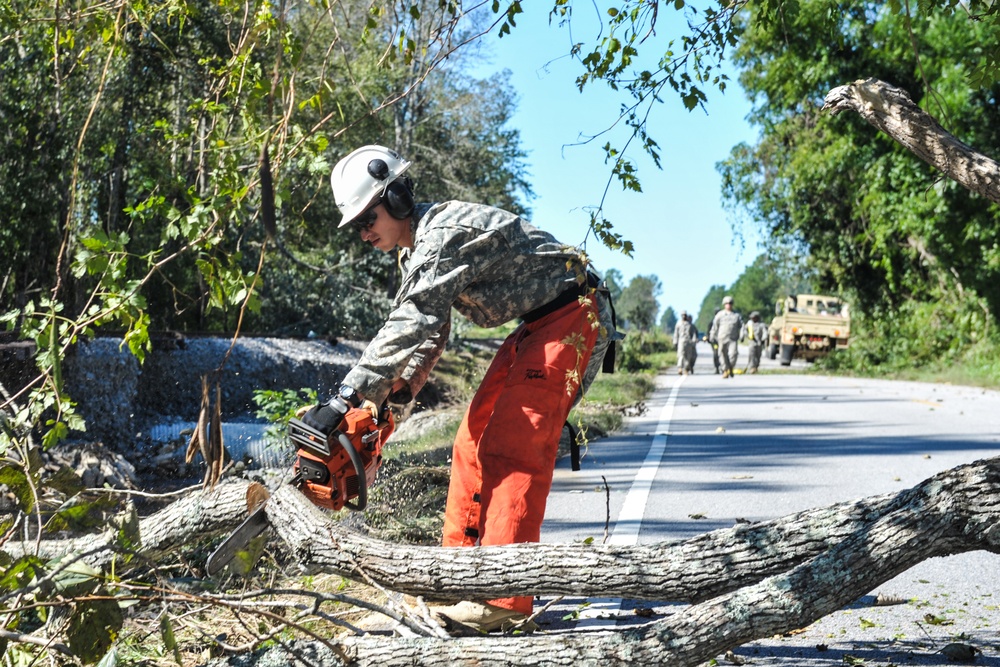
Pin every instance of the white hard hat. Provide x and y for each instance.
(362, 176)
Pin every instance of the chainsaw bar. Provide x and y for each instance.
(238, 541)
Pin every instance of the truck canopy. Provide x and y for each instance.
(815, 304)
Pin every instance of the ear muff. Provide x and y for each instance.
(398, 199)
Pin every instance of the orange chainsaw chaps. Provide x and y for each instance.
(342, 484)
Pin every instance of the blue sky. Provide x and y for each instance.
(680, 231)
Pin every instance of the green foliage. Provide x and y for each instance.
(878, 223)
(916, 255)
(132, 189)
(280, 405)
(90, 613)
(637, 307)
(710, 305)
(642, 350)
(936, 334)
(668, 321)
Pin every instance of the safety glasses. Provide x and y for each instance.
(365, 221)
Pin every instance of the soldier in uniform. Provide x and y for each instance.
(726, 332)
(755, 335)
(492, 267)
(685, 339)
(694, 344)
(714, 344)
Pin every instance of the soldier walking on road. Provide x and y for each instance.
(755, 335)
(685, 339)
(725, 332)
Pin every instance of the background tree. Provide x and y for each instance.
(614, 279)
(710, 305)
(771, 276)
(637, 306)
(915, 252)
(668, 321)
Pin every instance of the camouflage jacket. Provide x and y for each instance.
(488, 264)
(684, 331)
(726, 326)
(754, 333)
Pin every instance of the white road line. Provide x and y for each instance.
(603, 612)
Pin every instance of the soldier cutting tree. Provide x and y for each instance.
(493, 267)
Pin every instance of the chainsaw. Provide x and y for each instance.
(334, 468)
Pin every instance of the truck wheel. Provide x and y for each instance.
(786, 354)
(772, 351)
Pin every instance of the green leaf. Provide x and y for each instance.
(65, 481)
(76, 578)
(17, 482)
(169, 640)
(80, 514)
(20, 573)
(93, 628)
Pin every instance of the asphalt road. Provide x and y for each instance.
(709, 451)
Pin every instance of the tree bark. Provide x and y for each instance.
(203, 513)
(746, 582)
(891, 110)
(832, 557)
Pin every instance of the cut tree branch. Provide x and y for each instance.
(891, 110)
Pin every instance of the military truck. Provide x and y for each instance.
(808, 326)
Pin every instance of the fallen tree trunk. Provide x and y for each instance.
(203, 514)
(697, 569)
(891, 110)
(747, 582)
(953, 512)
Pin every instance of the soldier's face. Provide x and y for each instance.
(386, 232)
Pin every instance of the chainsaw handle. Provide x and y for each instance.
(359, 467)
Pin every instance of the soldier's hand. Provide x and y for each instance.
(370, 407)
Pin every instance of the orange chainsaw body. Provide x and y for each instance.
(331, 476)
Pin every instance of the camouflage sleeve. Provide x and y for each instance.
(440, 268)
(422, 363)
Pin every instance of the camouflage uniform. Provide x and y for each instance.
(494, 267)
(685, 339)
(755, 335)
(726, 332)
